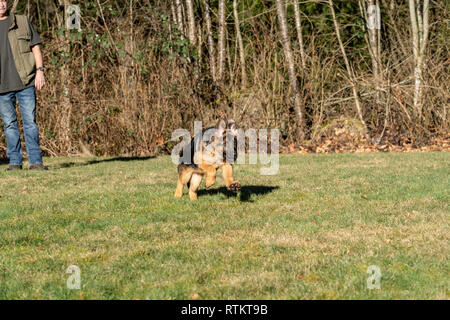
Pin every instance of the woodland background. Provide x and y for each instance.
(138, 70)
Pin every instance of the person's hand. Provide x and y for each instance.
(39, 81)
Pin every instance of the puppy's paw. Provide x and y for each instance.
(235, 186)
(178, 194)
(209, 183)
(193, 196)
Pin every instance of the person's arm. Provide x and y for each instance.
(39, 81)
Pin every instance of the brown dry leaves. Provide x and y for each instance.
(346, 136)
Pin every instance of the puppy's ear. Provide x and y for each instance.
(221, 127)
(231, 125)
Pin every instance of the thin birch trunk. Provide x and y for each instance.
(172, 22)
(66, 105)
(199, 44)
(14, 6)
(298, 26)
(228, 57)
(174, 13)
(349, 69)
(191, 21)
(380, 62)
(420, 32)
(38, 11)
(373, 39)
(244, 77)
(130, 48)
(299, 109)
(126, 64)
(372, 16)
(211, 50)
(180, 24)
(221, 44)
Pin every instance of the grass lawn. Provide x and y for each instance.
(310, 232)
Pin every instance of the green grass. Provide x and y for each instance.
(309, 232)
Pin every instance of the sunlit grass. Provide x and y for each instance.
(309, 232)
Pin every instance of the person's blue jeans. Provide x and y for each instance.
(27, 103)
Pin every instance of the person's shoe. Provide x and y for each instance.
(38, 166)
(14, 167)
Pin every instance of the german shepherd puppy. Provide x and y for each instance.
(214, 153)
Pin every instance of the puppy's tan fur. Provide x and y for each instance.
(213, 157)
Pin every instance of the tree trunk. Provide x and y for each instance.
(126, 63)
(221, 44)
(347, 66)
(38, 12)
(420, 31)
(370, 10)
(373, 40)
(244, 77)
(66, 105)
(299, 109)
(14, 6)
(298, 26)
(211, 50)
(173, 12)
(180, 24)
(191, 22)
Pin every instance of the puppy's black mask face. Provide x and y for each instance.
(218, 144)
(224, 141)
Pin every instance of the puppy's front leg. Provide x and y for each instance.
(227, 171)
(210, 172)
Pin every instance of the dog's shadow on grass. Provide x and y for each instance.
(91, 162)
(244, 195)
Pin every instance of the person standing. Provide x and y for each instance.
(21, 73)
